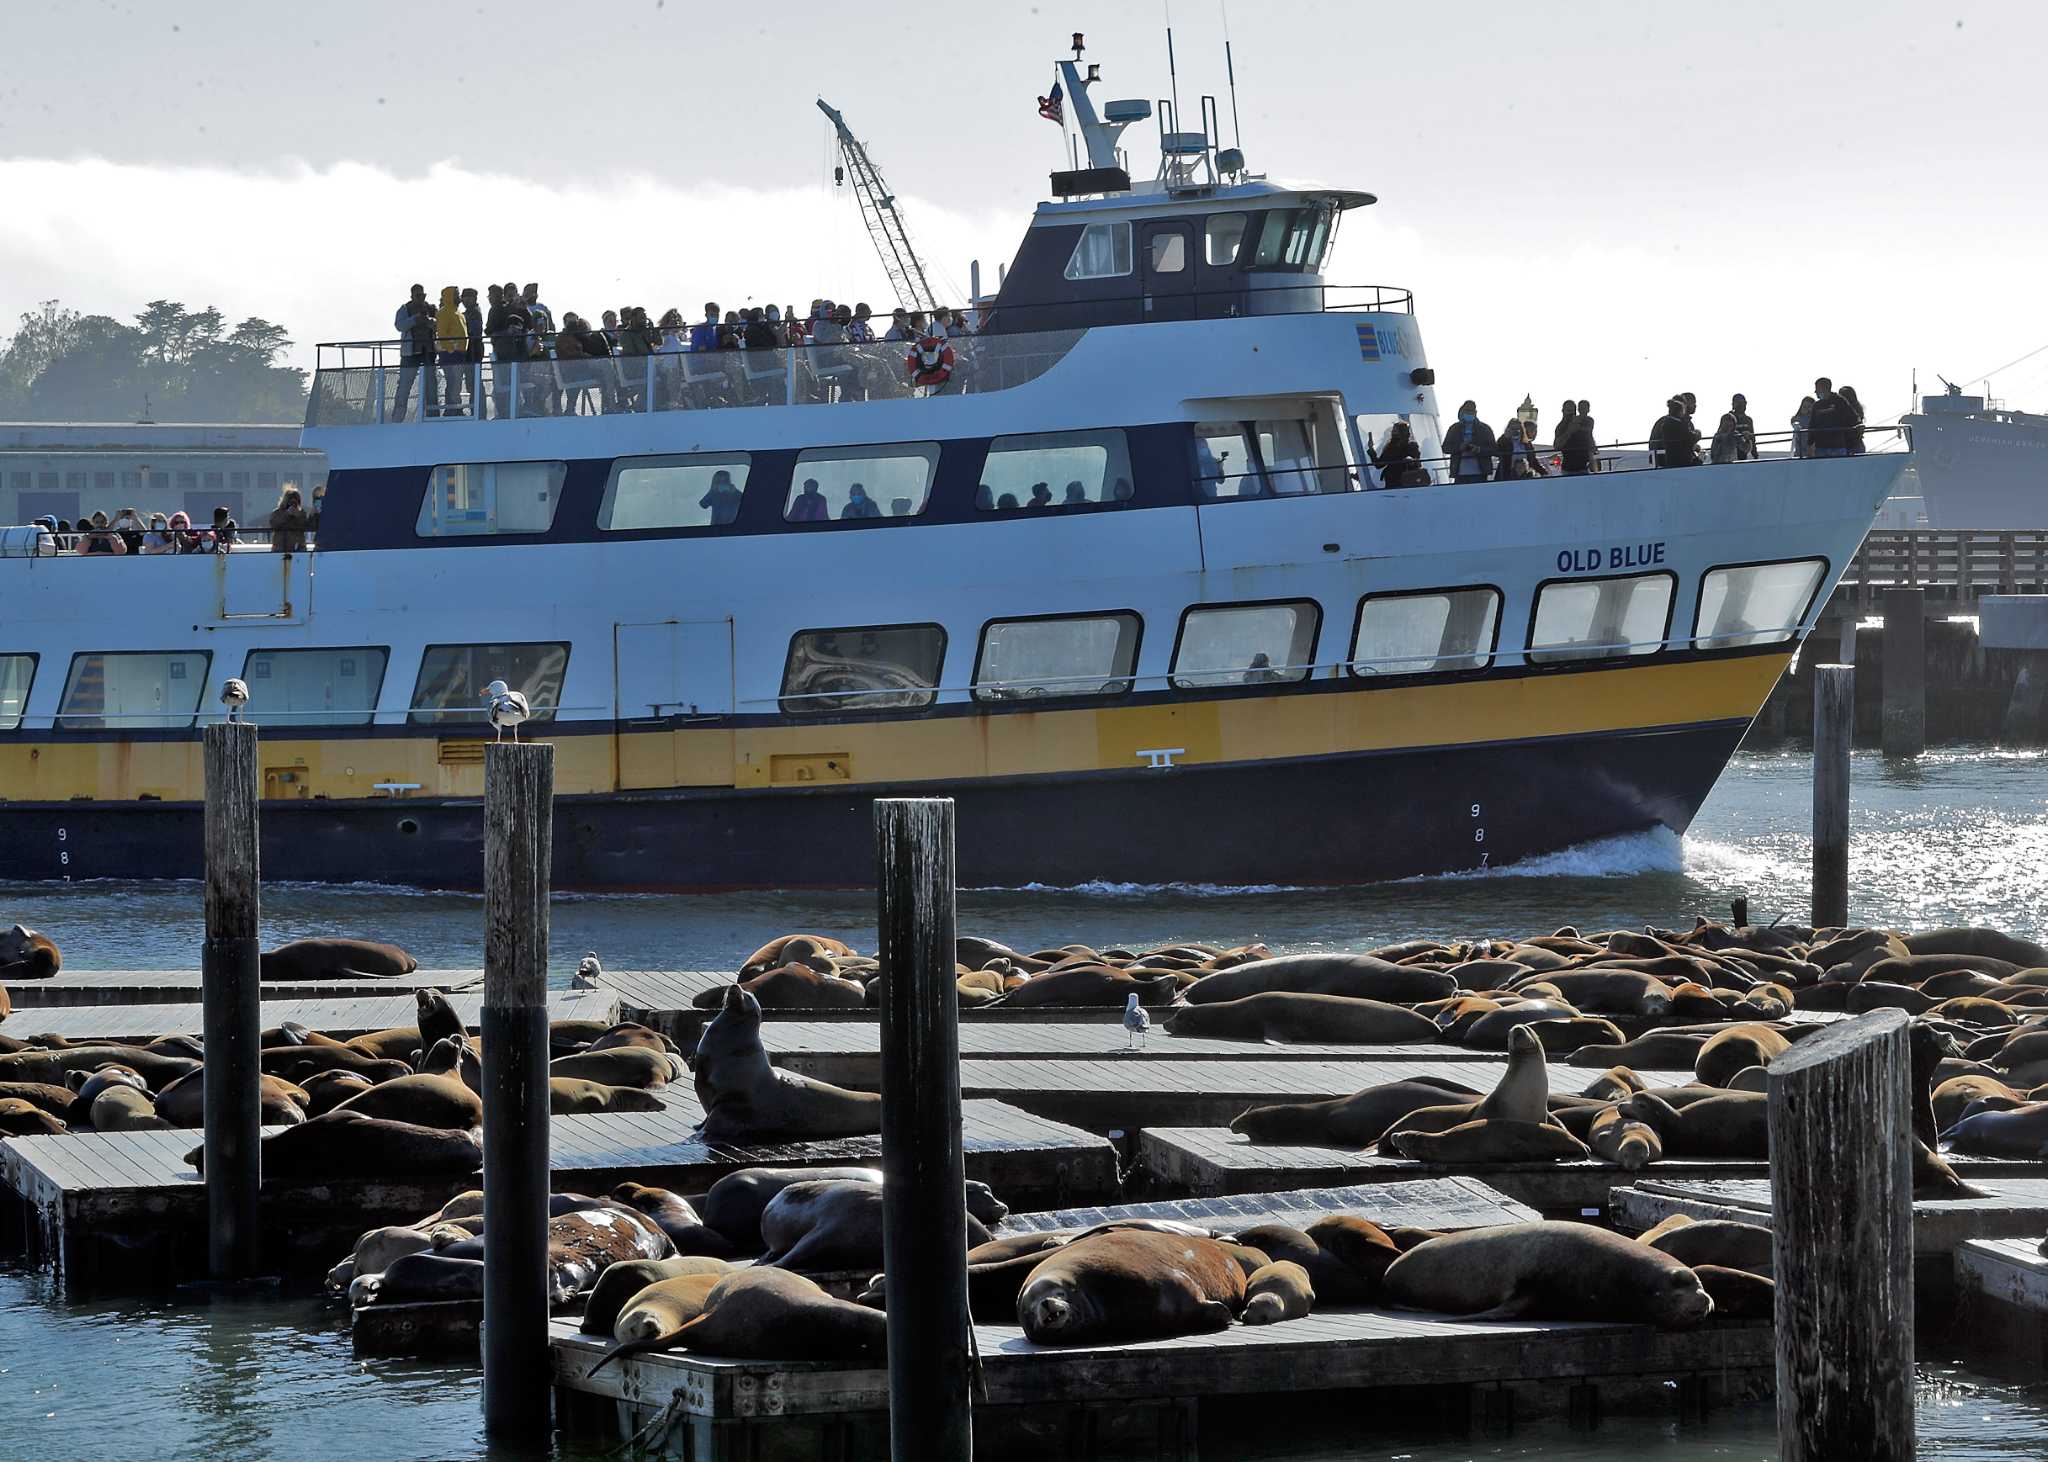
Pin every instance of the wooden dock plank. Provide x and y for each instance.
(1439, 1203)
(2011, 1207)
(339, 1017)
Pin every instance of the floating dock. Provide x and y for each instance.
(338, 1016)
(122, 1207)
(2013, 1207)
(2002, 1299)
(177, 987)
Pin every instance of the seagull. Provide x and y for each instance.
(589, 974)
(234, 694)
(1136, 1021)
(507, 707)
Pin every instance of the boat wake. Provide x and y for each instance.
(1657, 850)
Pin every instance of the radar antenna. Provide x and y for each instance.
(885, 224)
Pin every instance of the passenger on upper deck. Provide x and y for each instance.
(1853, 433)
(224, 530)
(899, 326)
(1579, 452)
(1745, 429)
(1076, 496)
(1567, 417)
(1829, 421)
(1469, 445)
(159, 538)
(858, 330)
(288, 523)
(1671, 440)
(128, 523)
(761, 333)
(721, 499)
(414, 321)
(451, 348)
(810, 505)
(1517, 458)
(1391, 455)
(100, 539)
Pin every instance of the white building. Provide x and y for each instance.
(74, 469)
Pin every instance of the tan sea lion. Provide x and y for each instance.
(27, 955)
(1289, 1016)
(650, 1318)
(426, 1101)
(22, 1118)
(1548, 1271)
(791, 987)
(623, 1281)
(1279, 1291)
(1614, 1083)
(621, 1066)
(773, 1314)
(791, 948)
(568, 1095)
(1358, 975)
(1608, 991)
(745, 1098)
(1738, 1294)
(1739, 1046)
(1735, 1124)
(1627, 1143)
(632, 1033)
(1090, 986)
(1954, 1096)
(183, 1102)
(52, 1097)
(335, 959)
(122, 1108)
(1487, 974)
(53, 1065)
(1132, 1284)
(1722, 1241)
(1353, 1121)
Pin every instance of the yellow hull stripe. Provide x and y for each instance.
(949, 748)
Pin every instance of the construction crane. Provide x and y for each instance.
(885, 224)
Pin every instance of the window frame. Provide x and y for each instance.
(715, 460)
(431, 716)
(1243, 217)
(974, 686)
(1500, 604)
(1129, 248)
(1792, 637)
(423, 515)
(58, 719)
(1315, 637)
(376, 694)
(858, 452)
(819, 714)
(35, 666)
(1248, 430)
(1530, 652)
(1122, 435)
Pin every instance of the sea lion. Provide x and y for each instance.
(1132, 1284)
(1359, 1249)
(631, 1033)
(53, 1065)
(792, 949)
(745, 1098)
(583, 1244)
(191, 1048)
(1357, 1120)
(1609, 991)
(1988, 943)
(674, 1216)
(426, 1101)
(822, 1224)
(1548, 1271)
(1358, 975)
(51, 1097)
(1487, 974)
(296, 1063)
(87, 1085)
(620, 1066)
(183, 1102)
(1954, 1096)
(773, 1314)
(27, 955)
(793, 987)
(1290, 1016)
(1626, 1142)
(329, 1089)
(1722, 1241)
(1280, 1291)
(1735, 1124)
(652, 1317)
(1498, 1140)
(122, 1108)
(351, 1145)
(376, 1249)
(22, 1118)
(1652, 1051)
(426, 1275)
(623, 1281)
(1092, 986)
(1738, 1294)
(334, 959)
(1560, 1036)
(1614, 1083)
(2020, 1132)
(569, 1095)
(1739, 1046)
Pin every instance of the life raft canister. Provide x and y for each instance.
(931, 361)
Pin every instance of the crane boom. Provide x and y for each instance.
(885, 224)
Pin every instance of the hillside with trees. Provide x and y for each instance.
(171, 364)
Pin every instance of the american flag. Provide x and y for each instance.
(1049, 106)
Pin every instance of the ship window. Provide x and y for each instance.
(880, 668)
(674, 492)
(129, 690)
(1064, 656)
(1221, 237)
(452, 680)
(1375, 428)
(1308, 453)
(1071, 468)
(17, 674)
(1294, 239)
(1246, 644)
(1169, 252)
(1429, 632)
(1755, 604)
(314, 687)
(1223, 461)
(468, 498)
(1103, 251)
(848, 484)
(1598, 619)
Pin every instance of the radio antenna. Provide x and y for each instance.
(1230, 71)
(1172, 75)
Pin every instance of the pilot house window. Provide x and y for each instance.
(450, 690)
(123, 691)
(1221, 237)
(1103, 252)
(1064, 656)
(880, 668)
(469, 498)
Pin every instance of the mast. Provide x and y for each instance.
(885, 224)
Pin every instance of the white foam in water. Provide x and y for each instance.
(1708, 859)
(1110, 888)
(1657, 850)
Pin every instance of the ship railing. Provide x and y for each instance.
(1610, 457)
(360, 383)
(29, 541)
(1156, 306)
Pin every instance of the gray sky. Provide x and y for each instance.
(1616, 200)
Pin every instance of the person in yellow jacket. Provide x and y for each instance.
(451, 349)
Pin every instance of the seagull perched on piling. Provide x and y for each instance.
(589, 974)
(1136, 1021)
(505, 707)
(234, 694)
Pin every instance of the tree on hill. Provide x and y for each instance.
(172, 364)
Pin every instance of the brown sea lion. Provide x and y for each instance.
(1358, 975)
(623, 1281)
(1735, 1048)
(27, 955)
(351, 1145)
(791, 987)
(296, 1063)
(1735, 1124)
(183, 1102)
(52, 1066)
(1357, 1120)
(1614, 1083)
(1969, 942)
(632, 1033)
(791, 948)
(1279, 1291)
(1090, 986)
(1628, 1144)
(825, 1224)
(21, 1118)
(1548, 1271)
(1954, 1096)
(1738, 1294)
(1289, 1016)
(1560, 1037)
(1487, 974)
(53, 1097)
(773, 1314)
(329, 1089)
(1722, 1241)
(1495, 1140)
(1132, 1284)
(425, 1101)
(335, 959)
(672, 1213)
(745, 1098)
(571, 1095)
(1608, 991)
(412, 1278)
(1652, 1051)
(621, 1066)
(1357, 1246)
(121, 1108)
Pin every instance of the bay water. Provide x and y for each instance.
(1956, 836)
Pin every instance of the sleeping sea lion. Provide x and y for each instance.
(22, 1118)
(632, 1033)
(54, 1065)
(183, 1102)
(1735, 1124)
(334, 959)
(27, 955)
(51, 1097)
(1723, 1241)
(329, 1089)
(1739, 1046)
(1290, 1016)
(1132, 1284)
(425, 1275)
(823, 1224)
(1652, 1051)
(1610, 991)
(1092, 986)
(745, 1098)
(792, 948)
(1353, 1121)
(1279, 1291)
(623, 1281)
(621, 1066)
(424, 1100)
(351, 1145)
(672, 1213)
(1548, 1271)
(1627, 1143)
(568, 1095)
(1498, 1140)
(772, 1314)
(1738, 1294)
(1359, 975)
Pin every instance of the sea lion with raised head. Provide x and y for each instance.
(1360, 975)
(1292, 1017)
(745, 1098)
(1548, 1271)
(1130, 1284)
(773, 1314)
(335, 959)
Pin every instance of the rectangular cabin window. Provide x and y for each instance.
(314, 687)
(1599, 619)
(891, 667)
(1223, 462)
(1755, 604)
(1221, 236)
(1246, 644)
(1054, 470)
(470, 498)
(674, 492)
(1074, 655)
(1307, 453)
(121, 691)
(103, 483)
(849, 484)
(17, 674)
(1102, 252)
(1169, 252)
(450, 690)
(1295, 239)
(1430, 632)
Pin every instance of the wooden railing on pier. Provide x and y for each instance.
(1953, 567)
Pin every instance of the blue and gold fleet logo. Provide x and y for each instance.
(1377, 341)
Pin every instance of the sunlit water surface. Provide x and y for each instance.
(1956, 837)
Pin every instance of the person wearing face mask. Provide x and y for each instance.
(1470, 446)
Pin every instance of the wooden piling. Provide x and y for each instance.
(1842, 1219)
(1904, 726)
(519, 783)
(231, 994)
(924, 1213)
(1738, 911)
(1834, 721)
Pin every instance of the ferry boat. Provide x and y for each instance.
(1123, 583)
